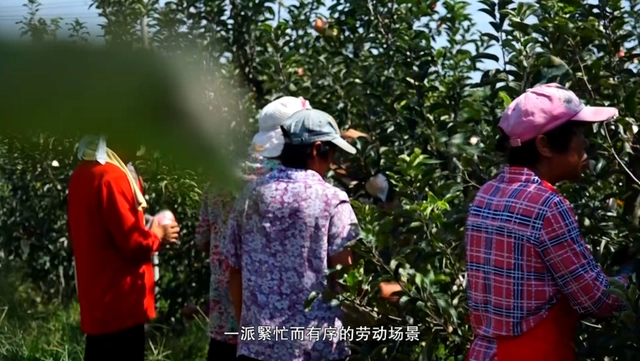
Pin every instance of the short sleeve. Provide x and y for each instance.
(343, 228)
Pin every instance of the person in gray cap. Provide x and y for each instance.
(286, 230)
(215, 208)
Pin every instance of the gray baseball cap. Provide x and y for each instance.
(312, 125)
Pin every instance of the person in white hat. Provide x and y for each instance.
(268, 142)
(287, 230)
(266, 146)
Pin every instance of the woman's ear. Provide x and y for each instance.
(316, 149)
(542, 144)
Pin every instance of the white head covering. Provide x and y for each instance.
(98, 145)
(268, 142)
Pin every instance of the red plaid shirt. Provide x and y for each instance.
(524, 250)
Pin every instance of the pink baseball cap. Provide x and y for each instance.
(546, 107)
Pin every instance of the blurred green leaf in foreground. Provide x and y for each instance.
(69, 90)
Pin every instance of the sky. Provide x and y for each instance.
(12, 11)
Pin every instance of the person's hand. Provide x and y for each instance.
(630, 267)
(387, 290)
(628, 257)
(168, 233)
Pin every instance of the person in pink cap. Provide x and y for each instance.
(530, 274)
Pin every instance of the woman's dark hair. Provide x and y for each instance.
(298, 155)
(527, 154)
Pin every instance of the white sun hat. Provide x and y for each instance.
(268, 142)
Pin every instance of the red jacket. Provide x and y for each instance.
(112, 250)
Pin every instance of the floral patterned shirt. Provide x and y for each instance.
(214, 213)
(281, 233)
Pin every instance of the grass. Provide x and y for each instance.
(31, 330)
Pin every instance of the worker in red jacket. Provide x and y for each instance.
(112, 249)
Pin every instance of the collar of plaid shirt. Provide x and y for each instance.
(515, 174)
(524, 175)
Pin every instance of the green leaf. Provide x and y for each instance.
(618, 293)
(629, 318)
(486, 56)
(506, 100)
(631, 102)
